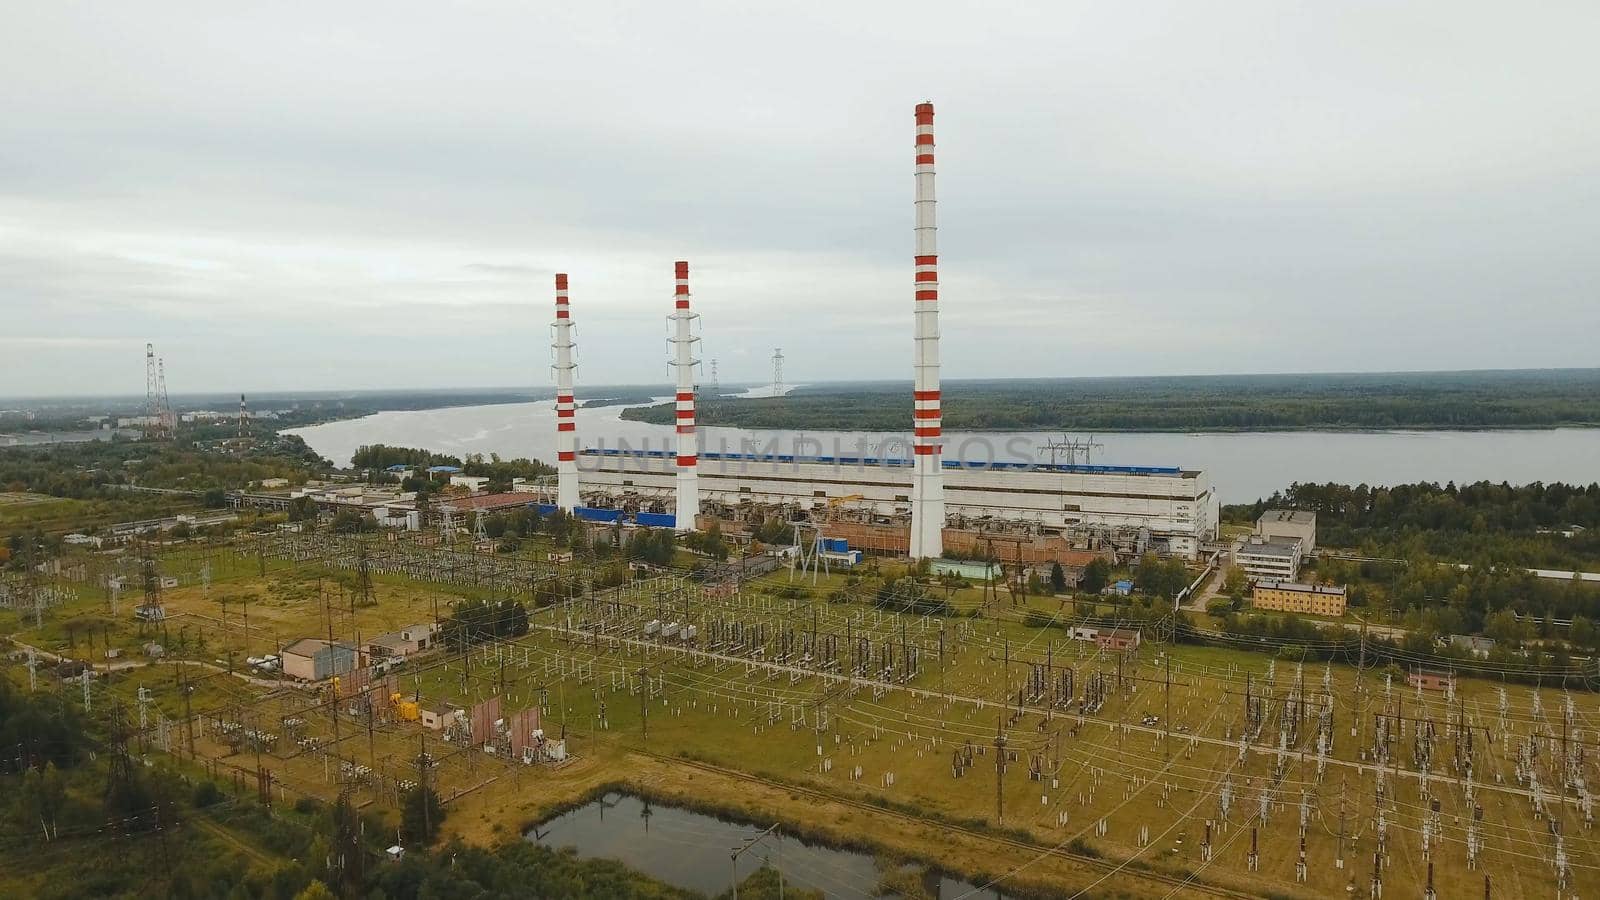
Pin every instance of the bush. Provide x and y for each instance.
(206, 793)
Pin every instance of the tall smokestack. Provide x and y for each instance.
(927, 479)
(566, 407)
(682, 340)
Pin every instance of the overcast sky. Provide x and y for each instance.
(349, 195)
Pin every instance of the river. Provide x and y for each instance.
(1244, 466)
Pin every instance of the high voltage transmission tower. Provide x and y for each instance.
(777, 372)
(159, 420)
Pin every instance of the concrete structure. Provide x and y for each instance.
(403, 517)
(1429, 679)
(404, 643)
(1178, 509)
(1118, 639)
(1262, 559)
(566, 405)
(314, 659)
(1476, 644)
(470, 482)
(974, 571)
(487, 502)
(440, 716)
(268, 484)
(1289, 524)
(1290, 596)
(1106, 638)
(687, 489)
(927, 479)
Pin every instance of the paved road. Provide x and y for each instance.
(123, 665)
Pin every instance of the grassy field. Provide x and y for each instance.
(24, 508)
(1180, 734)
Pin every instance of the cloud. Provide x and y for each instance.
(1160, 188)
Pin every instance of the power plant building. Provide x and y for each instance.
(1176, 508)
(921, 504)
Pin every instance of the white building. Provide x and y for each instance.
(1289, 524)
(1178, 507)
(470, 482)
(1268, 560)
(406, 517)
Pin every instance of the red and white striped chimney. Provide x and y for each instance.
(566, 406)
(927, 478)
(682, 340)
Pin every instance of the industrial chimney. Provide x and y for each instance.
(682, 340)
(566, 408)
(927, 479)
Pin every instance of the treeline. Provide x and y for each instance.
(82, 817)
(1291, 637)
(475, 621)
(1482, 524)
(1532, 399)
(84, 470)
(500, 472)
(1440, 599)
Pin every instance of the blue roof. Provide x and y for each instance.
(447, 469)
(900, 462)
(397, 467)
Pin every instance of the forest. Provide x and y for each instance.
(83, 817)
(84, 470)
(1484, 524)
(1447, 400)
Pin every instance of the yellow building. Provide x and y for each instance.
(1289, 596)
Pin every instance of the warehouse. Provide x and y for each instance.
(1176, 508)
(314, 659)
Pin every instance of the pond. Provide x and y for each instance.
(693, 850)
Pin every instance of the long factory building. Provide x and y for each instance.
(1177, 507)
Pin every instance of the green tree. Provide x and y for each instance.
(713, 544)
(43, 794)
(1504, 628)
(1058, 578)
(421, 814)
(348, 521)
(1581, 634)
(316, 890)
(774, 530)
(1096, 576)
(1233, 584)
